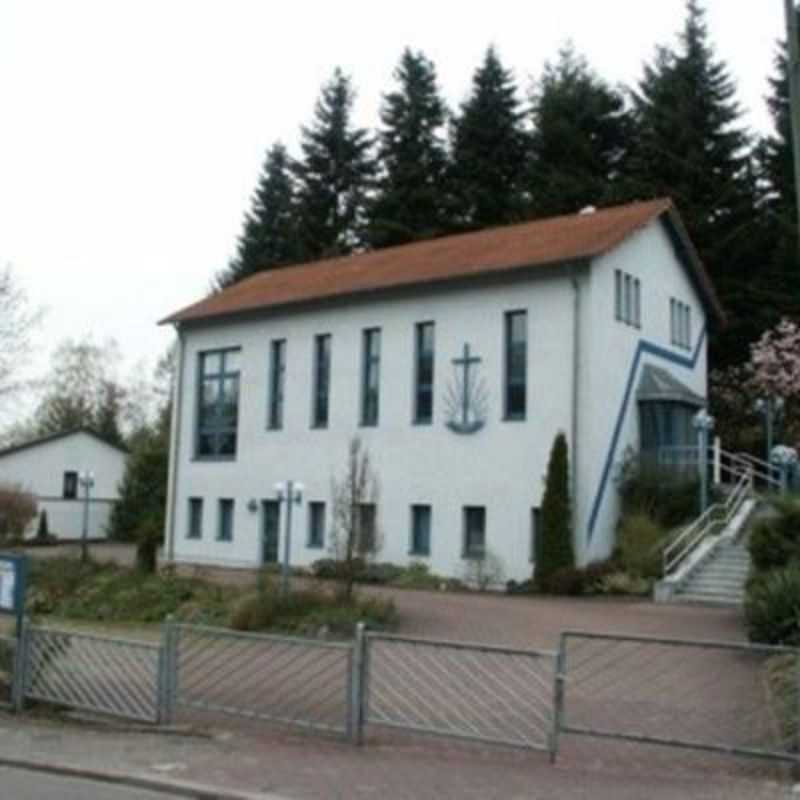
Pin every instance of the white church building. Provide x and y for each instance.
(456, 361)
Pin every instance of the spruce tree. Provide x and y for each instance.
(555, 550)
(269, 235)
(581, 130)
(333, 175)
(409, 201)
(689, 144)
(489, 150)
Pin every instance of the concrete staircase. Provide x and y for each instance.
(720, 579)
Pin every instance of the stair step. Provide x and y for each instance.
(709, 600)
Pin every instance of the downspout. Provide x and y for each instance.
(576, 360)
(174, 448)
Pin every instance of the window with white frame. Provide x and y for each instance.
(680, 324)
(627, 299)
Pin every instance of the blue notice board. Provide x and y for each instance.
(13, 583)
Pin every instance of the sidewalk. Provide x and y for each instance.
(269, 763)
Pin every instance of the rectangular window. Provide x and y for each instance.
(617, 294)
(322, 380)
(637, 303)
(218, 403)
(627, 299)
(474, 531)
(277, 379)
(516, 364)
(70, 485)
(680, 324)
(420, 530)
(195, 530)
(365, 529)
(370, 386)
(423, 392)
(225, 531)
(536, 533)
(316, 525)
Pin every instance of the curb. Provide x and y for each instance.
(198, 791)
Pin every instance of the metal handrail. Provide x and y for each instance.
(717, 515)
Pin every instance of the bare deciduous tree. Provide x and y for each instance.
(17, 323)
(355, 533)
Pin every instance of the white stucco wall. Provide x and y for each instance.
(40, 469)
(609, 348)
(501, 467)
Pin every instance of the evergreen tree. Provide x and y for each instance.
(489, 150)
(555, 550)
(409, 202)
(580, 136)
(269, 237)
(688, 144)
(333, 175)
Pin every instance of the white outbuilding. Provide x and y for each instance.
(456, 361)
(54, 469)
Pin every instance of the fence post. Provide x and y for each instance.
(356, 685)
(20, 666)
(558, 696)
(167, 665)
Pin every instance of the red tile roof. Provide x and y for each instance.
(496, 250)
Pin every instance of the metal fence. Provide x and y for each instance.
(301, 682)
(732, 698)
(92, 673)
(460, 690)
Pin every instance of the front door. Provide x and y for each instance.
(271, 514)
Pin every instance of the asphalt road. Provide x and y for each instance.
(23, 785)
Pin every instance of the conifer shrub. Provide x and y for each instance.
(641, 542)
(556, 552)
(772, 606)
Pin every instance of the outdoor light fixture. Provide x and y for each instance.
(784, 458)
(86, 480)
(290, 492)
(703, 423)
(252, 504)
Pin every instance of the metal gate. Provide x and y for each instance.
(92, 673)
(461, 690)
(726, 697)
(302, 682)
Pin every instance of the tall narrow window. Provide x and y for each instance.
(195, 530)
(627, 302)
(688, 329)
(225, 530)
(370, 388)
(617, 294)
(322, 380)
(366, 528)
(423, 393)
(637, 303)
(316, 525)
(420, 530)
(218, 404)
(474, 531)
(516, 363)
(277, 375)
(70, 485)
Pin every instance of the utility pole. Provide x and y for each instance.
(794, 100)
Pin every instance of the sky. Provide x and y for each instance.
(133, 131)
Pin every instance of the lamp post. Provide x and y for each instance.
(86, 480)
(783, 458)
(771, 408)
(703, 423)
(290, 492)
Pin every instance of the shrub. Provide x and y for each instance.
(595, 573)
(775, 542)
(641, 542)
(556, 551)
(483, 571)
(17, 509)
(621, 583)
(667, 495)
(564, 581)
(772, 606)
(781, 677)
(333, 569)
(381, 573)
(417, 575)
(148, 539)
(43, 530)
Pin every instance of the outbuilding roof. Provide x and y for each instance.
(55, 437)
(495, 251)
